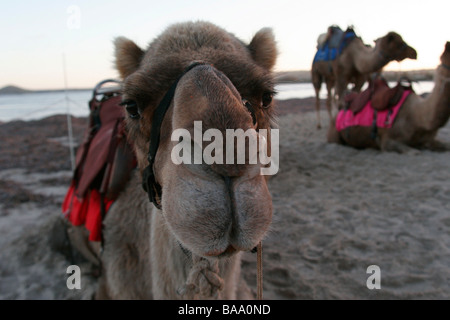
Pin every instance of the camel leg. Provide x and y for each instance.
(333, 135)
(435, 145)
(319, 126)
(396, 146)
(329, 100)
(334, 100)
(317, 83)
(359, 82)
(341, 86)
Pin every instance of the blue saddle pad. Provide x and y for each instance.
(329, 52)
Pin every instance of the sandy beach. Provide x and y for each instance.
(337, 211)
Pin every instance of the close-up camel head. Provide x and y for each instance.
(213, 210)
(393, 47)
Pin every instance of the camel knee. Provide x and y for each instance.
(438, 146)
(396, 146)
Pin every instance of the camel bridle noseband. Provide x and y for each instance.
(149, 183)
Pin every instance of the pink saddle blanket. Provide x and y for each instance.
(364, 118)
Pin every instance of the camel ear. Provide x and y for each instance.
(128, 56)
(263, 48)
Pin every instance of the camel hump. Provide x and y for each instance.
(321, 40)
(336, 35)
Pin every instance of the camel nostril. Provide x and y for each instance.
(230, 250)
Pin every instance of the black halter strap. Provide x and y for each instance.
(445, 66)
(149, 183)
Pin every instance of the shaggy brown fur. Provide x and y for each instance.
(210, 214)
(417, 122)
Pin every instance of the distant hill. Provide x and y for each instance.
(13, 90)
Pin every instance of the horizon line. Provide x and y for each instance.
(275, 72)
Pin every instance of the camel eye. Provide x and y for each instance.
(267, 99)
(132, 108)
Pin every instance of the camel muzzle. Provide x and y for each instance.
(149, 183)
(411, 53)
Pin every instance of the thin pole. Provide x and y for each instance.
(69, 119)
(259, 287)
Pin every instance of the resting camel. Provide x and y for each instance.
(355, 64)
(416, 124)
(190, 248)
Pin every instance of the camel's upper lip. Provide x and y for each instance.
(230, 250)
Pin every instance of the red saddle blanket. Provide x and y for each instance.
(86, 211)
(104, 162)
(365, 117)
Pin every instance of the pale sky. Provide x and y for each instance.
(35, 35)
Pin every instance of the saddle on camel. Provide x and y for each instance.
(104, 162)
(375, 107)
(332, 43)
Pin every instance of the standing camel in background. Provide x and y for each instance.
(329, 46)
(210, 214)
(355, 64)
(417, 122)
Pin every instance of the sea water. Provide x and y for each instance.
(38, 105)
(305, 90)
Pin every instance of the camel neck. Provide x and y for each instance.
(438, 101)
(445, 66)
(442, 81)
(369, 60)
(383, 59)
